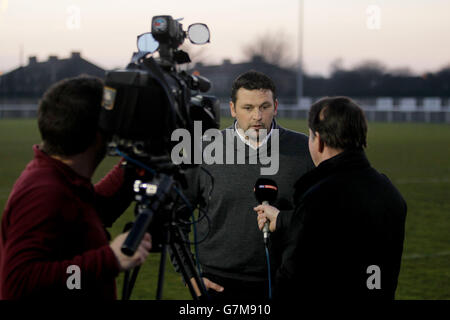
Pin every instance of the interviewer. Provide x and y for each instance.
(345, 239)
(53, 226)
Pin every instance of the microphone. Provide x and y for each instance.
(266, 191)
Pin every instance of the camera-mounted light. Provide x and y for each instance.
(169, 31)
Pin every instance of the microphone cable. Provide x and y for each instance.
(268, 270)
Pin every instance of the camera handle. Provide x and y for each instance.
(145, 215)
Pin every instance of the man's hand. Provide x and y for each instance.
(212, 285)
(266, 212)
(208, 285)
(126, 262)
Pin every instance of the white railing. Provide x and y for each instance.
(383, 109)
(18, 111)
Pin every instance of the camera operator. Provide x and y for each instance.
(232, 252)
(53, 241)
(345, 239)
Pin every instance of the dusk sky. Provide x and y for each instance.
(399, 33)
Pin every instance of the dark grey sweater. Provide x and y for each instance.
(234, 247)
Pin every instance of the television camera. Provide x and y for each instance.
(142, 105)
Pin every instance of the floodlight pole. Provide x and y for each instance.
(300, 54)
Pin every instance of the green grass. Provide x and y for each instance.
(416, 157)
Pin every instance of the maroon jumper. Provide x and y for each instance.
(55, 218)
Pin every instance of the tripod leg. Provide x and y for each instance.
(126, 282)
(184, 259)
(132, 281)
(186, 277)
(162, 269)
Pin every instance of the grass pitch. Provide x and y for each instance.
(416, 157)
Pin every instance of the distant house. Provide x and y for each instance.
(222, 77)
(28, 83)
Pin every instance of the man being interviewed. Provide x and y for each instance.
(345, 239)
(231, 249)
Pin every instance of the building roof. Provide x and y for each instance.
(222, 76)
(31, 81)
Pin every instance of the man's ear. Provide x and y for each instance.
(232, 109)
(275, 104)
(321, 144)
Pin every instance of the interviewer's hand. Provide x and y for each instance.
(266, 212)
(126, 262)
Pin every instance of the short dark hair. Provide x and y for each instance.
(68, 115)
(253, 80)
(340, 122)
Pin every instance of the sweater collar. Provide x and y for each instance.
(345, 161)
(275, 125)
(267, 145)
(67, 172)
(272, 126)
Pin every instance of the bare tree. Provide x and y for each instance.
(370, 67)
(274, 47)
(337, 65)
(401, 72)
(197, 53)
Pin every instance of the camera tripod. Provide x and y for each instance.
(156, 208)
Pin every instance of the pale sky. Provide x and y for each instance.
(399, 33)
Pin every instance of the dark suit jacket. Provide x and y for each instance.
(347, 219)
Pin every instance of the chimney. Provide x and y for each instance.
(76, 55)
(226, 61)
(52, 58)
(32, 60)
(257, 58)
